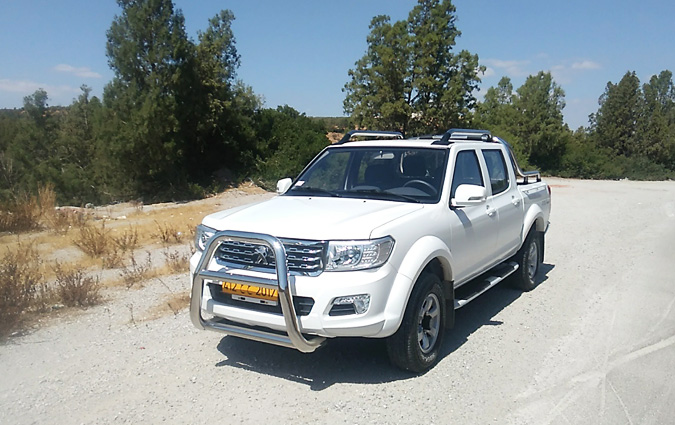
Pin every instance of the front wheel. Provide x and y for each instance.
(528, 258)
(417, 343)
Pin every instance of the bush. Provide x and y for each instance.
(94, 241)
(175, 261)
(21, 286)
(75, 289)
(136, 272)
(20, 214)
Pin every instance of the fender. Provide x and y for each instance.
(418, 256)
(533, 216)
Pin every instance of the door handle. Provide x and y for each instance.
(491, 211)
(515, 201)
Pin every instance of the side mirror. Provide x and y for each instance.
(283, 185)
(468, 195)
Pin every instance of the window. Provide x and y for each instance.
(328, 173)
(400, 174)
(467, 171)
(496, 167)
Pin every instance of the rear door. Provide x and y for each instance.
(506, 200)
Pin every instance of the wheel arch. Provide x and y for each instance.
(428, 254)
(534, 219)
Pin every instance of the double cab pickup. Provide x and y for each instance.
(378, 237)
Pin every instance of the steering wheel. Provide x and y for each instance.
(426, 185)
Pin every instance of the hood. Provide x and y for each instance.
(314, 218)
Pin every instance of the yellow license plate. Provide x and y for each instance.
(250, 291)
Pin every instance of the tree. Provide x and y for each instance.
(172, 113)
(219, 129)
(541, 129)
(75, 150)
(657, 130)
(615, 124)
(409, 79)
(496, 109)
(286, 141)
(379, 93)
(151, 55)
(530, 119)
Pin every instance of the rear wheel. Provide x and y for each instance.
(417, 343)
(528, 258)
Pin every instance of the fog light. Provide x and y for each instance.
(360, 302)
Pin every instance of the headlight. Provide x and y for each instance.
(358, 255)
(202, 236)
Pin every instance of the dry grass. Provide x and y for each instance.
(171, 304)
(61, 220)
(168, 233)
(26, 213)
(77, 242)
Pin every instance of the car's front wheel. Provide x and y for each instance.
(417, 343)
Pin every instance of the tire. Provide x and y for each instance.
(528, 258)
(417, 343)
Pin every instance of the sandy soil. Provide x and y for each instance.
(594, 343)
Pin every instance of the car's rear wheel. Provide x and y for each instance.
(528, 258)
(417, 343)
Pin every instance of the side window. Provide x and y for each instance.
(496, 167)
(467, 171)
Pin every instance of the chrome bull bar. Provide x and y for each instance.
(294, 337)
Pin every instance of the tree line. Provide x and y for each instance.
(176, 122)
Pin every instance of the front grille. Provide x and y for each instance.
(305, 257)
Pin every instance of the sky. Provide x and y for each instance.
(298, 52)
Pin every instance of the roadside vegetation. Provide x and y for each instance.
(49, 268)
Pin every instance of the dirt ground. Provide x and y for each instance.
(593, 343)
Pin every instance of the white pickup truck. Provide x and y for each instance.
(379, 238)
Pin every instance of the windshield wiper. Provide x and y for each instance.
(316, 191)
(387, 194)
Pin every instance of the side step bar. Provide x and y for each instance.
(469, 291)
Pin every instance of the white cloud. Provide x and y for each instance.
(60, 94)
(512, 68)
(16, 86)
(586, 64)
(80, 72)
(566, 73)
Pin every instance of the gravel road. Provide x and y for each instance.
(594, 343)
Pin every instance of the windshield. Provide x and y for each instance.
(396, 174)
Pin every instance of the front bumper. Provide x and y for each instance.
(304, 332)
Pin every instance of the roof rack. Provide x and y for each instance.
(429, 137)
(369, 133)
(464, 134)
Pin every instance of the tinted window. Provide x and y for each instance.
(467, 171)
(496, 167)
